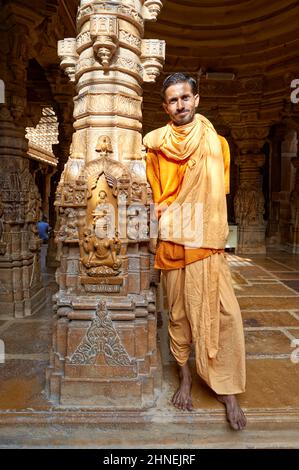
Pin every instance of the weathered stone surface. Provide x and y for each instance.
(264, 342)
(267, 303)
(21, 384)
(274, 318)
(21, 338)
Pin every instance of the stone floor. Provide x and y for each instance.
(267, 288)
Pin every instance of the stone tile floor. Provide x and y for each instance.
(267, 288)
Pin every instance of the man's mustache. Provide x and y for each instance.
(183, 111)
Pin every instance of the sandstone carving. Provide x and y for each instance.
(104, 33)
(68, 54)
(151, 9)
(249, 205)
(101, 339)
(102, 209)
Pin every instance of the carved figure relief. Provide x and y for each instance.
(34, 240)
(3, 245)
(68, 231)
(124, 188)
(104, 146)
(99, 254)
(137, 224)
(74, 194)
(33, 206)
(249, 206)
(99, 243)
(294, 196)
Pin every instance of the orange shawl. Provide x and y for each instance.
(198, 216)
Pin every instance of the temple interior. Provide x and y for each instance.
(84, 353)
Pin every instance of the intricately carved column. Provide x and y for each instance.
(249, 201)
(21, 292)
(104, 343)
(294, 200)
(61, 150)
(273, 232)
(286, 213)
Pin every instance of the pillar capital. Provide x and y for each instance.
(250, 137)
(107, 62)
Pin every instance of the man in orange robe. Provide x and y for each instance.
(188, 168)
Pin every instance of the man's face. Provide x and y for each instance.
(180, 103)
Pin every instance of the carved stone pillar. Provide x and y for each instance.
(61, 151)
(273, 232)
(104, 343)
(63, 93)
(288, 155)
(249, 203)
(21, 292)
(294, 201)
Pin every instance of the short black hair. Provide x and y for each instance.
(179, 77)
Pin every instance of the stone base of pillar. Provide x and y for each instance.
(105, 354)
(251, 240)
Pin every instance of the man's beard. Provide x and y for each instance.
(184, 119)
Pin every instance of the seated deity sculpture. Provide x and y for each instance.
(100, 250)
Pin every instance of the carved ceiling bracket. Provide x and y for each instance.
(68, 54)
(151, 9)
(152, 58)
(104, 34)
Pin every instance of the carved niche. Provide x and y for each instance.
(102, 208)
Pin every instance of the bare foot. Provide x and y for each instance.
(234, 414)
(182, 397)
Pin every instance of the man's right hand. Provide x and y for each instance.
(160, 209)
